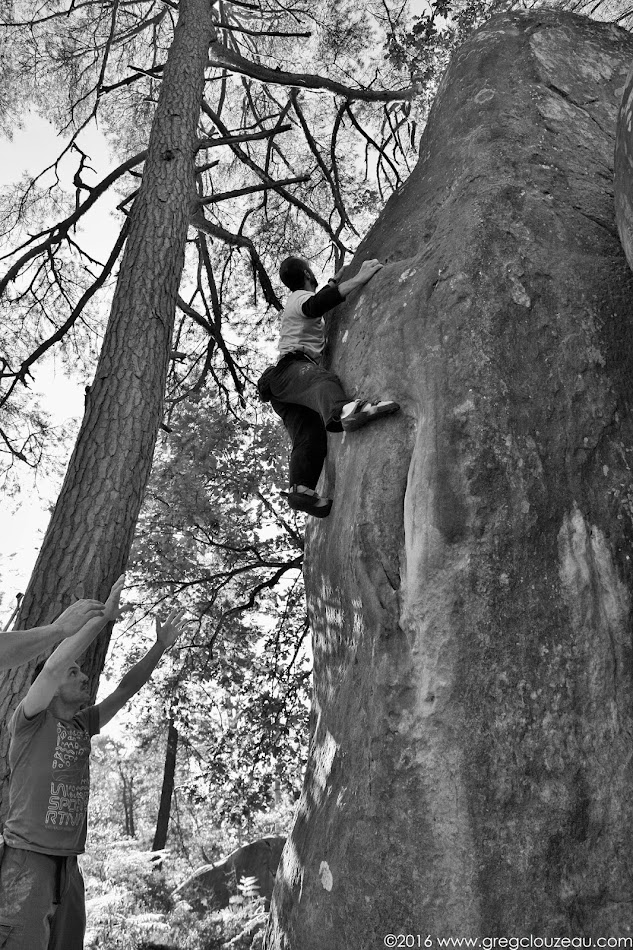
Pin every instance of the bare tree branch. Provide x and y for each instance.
(217, 336)
(247, 6)
(12, 449)
(243, 29)
(232, 138)
(221, 58)
(224, 195)
(207, 167)
(58, 232)
(153, 73)
(217, 315)
(371, 141)
(296, 537)
(144, 25)
(271, 582)
(203, 224)
(290, 198)
(20, 375)
(333, 183)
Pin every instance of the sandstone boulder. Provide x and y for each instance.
(470, 594)
(623, 172)
(213, 884)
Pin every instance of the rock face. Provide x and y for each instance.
(470, 594)
(624, 170)
(214, 884)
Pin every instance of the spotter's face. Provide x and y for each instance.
(74, 687)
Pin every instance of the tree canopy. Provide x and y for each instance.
(286, 160)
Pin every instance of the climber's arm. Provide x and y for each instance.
(332, 295)
(365, 274)
(318, 304)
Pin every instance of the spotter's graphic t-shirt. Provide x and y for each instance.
(49, 787)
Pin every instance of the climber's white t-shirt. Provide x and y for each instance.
(299, 332)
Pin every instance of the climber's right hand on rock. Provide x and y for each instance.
(365, 274)
(369, 268)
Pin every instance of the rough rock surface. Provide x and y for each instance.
(624, 170)
(470, 594)
(213, 884)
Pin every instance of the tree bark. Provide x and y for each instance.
(127, 799)
(89, 536)
(167, 790)
(470, 594)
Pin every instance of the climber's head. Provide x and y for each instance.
(296, 274)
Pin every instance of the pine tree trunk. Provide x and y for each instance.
(164, 809)
(127, 798)
(130, 801)
(91, 530)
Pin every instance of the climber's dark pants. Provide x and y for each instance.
(309, 400)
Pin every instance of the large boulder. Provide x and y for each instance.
(470, 594)
(623, 172)
(213, 884)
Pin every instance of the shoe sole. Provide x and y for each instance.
(363, 418)
(317, 511)
(299, 503)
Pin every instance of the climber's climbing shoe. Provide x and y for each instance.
(301, 498)
(359, 413)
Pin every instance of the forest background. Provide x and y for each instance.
(321, 106)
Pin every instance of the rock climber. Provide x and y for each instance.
(309, 398)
